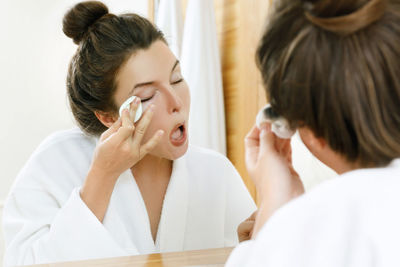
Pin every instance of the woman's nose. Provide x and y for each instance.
(174, 101)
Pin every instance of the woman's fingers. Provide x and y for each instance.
(125, 130)
(112, 129)
(136, 133)
(123, 133)
(245, 230)
(253, 137)
(125, 118)
(267, 139)
(253, 216)
(133, 109)
(280, 144)
(252, 148)
(142, 125)
(126, 125)
(246, 226)
(287, 151)
(122, 129)
(151, 144)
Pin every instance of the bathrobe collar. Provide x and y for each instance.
(171, 231)
(172, 225)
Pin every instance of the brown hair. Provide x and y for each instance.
(105, 42)
(333, 66)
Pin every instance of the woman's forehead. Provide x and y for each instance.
(147, 65)
(150, 63)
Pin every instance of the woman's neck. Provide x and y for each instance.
(152, 175)
(152, 168)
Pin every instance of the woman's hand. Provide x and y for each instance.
(245, 229)
(269, 163)
(118, 149)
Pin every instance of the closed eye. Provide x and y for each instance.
(178, 81)
(146, 99)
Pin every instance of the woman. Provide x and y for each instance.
(112, 187)
(331, 68)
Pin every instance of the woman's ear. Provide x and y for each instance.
(322, 151)
(106, 118)
(313, 143)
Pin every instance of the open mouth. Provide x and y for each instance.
(178, 135)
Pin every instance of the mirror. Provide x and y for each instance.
(83, 195)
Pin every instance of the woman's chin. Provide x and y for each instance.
(177, 152)
(169, 151)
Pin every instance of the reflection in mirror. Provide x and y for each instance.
(111, 186)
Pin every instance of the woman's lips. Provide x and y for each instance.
(178, 135)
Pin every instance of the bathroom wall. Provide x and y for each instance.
(34, 56)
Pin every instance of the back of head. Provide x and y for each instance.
(333, 66)
(105, 41)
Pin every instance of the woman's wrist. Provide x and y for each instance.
(97, 190)
(101, 180)
(263, 214)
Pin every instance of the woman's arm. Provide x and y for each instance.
(239, 206)
(37, 230)
(269, 163)
(119, 148)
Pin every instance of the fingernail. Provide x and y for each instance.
(160, 133)
(137, 100)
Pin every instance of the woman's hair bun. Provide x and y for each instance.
(344, 17)
(79, 18)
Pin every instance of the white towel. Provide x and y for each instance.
(170, 22)
(202, 70)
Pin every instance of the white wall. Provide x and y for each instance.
(1, 237)
(34, 56)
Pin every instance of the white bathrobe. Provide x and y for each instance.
(45, 219)
(350, 221)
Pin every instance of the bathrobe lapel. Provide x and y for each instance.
(127, 205)
(171, 230)
(127, 216)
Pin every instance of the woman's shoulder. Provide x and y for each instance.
(62, 159)
(71, 138)
(356, 208)
(68, 149)
(362, 195)
(361, 185)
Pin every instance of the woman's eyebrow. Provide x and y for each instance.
(152, 82)
(140, 85)
(176, 64)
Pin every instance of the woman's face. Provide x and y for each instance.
(154, 76)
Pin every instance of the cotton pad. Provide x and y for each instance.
(127, 104)
(279, 125)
